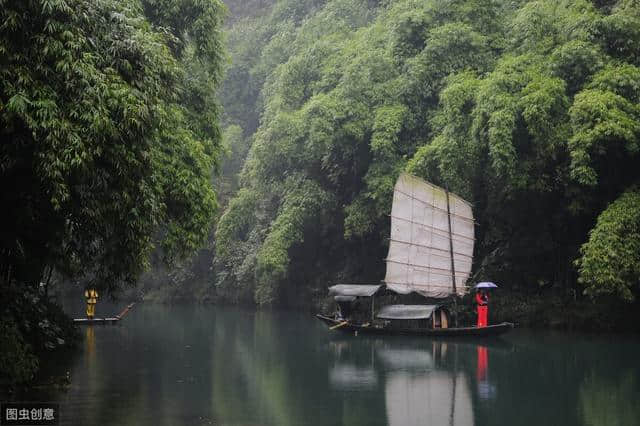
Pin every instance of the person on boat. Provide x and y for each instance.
(482, 299)
(91, 295)
(345, 306)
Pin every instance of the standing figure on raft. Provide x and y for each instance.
(482, 299)
(92, 298)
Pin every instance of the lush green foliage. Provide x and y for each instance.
(529, 109)
(610, 262)
(108, 121)
(17, 361)
(101, 144)
(30, 325)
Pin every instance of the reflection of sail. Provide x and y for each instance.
(350, 377)
(417, 392)
(435, 398)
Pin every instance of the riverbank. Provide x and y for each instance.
(566, 313)
(542, 311)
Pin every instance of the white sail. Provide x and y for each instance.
(422, 240)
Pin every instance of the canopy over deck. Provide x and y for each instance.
(406, 312)
(358, 290)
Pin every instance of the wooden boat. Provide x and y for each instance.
(490, 330)
(430, 254)
(102, 321)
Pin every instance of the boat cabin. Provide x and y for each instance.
(348, 296)
(414, 316)
(351, 298)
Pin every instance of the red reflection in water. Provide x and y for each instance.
(485, 389)
(483, 363)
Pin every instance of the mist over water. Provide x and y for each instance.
(171, 365)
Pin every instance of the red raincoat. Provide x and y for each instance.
(482, 299)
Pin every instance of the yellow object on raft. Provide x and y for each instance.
(92, 298)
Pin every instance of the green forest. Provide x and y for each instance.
(528, 109)
(245, 152)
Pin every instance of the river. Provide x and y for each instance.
(192, 365)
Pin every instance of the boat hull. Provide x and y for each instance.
(87, 321)
(490, 330)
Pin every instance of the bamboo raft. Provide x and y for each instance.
(108, 320)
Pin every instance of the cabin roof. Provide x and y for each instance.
(406, 312)
(358, 290)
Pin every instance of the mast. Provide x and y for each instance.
(453, 267)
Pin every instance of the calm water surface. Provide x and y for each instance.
(189, 365)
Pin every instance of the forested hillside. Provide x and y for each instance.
(528, 109)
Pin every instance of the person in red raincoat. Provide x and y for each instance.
(482, 299)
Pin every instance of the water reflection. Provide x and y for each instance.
(419, 385)
(90, 342)
(185, 365)
(421, 389)
(437, 398)
(352, 378)
(610, 402)
(353, 366)
(408, 359)
(486, 390)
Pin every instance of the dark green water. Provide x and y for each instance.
(223, 366)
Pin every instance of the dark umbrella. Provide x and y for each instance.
(486, 284)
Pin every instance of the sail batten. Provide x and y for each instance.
(428, 228)
(466, 237)
(437, 207)
(432, 248)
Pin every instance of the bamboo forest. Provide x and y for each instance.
(320, 212)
